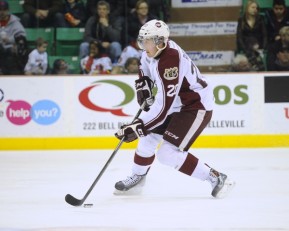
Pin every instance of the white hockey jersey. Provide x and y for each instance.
(100, 65)
(127, 53)
(180, 85)
(37, 63)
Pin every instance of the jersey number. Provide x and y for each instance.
(172, 90)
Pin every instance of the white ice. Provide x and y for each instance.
(33, 185)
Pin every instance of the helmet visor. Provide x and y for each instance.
(147, 42)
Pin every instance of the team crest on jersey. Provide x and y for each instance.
(171, 73)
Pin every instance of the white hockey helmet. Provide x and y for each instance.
(156, 30)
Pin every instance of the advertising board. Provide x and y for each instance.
(76, 107)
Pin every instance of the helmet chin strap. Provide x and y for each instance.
(159, 50)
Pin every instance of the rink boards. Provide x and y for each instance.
(77, 112)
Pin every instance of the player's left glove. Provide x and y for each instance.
(144, 90)
(131, 131)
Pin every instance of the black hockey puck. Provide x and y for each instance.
(87, 205)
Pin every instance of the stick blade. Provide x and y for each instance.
(73, 201)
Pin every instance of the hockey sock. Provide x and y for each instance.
(189, 164)
(194, 167)
(142, 164)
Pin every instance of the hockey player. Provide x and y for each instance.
(176, 115)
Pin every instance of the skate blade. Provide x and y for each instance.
(132, 192)
(227, 188)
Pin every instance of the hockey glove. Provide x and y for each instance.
(131, 131)
(144, 86)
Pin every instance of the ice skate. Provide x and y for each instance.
(220, 183)
(131, 185)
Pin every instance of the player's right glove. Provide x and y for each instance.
(132, 131)
(144, 87)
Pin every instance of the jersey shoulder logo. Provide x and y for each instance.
(171, 73)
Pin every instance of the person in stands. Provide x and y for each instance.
(10, 28)
(276, 18)
(96, 63)
(278, 52)
(43, 13)
(103, 29)
(38, 60)
(251, 27)
(75, 14)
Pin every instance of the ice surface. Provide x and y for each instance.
(33, 185)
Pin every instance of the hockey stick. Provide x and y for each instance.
(76, 202)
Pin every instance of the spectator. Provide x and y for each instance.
(60, 67)
(13, 63)
(254, 55)
(117, 8)
(241, 63)
(131, 65)
(10, 27)
(103, 29)
(159, 8)
(95, 63)
(276, 18)
(40, 13)
(75, 14)
(251, 26)
(137, 19)
(22, 51)
(128, 52)
(38, 61)
(278, 52)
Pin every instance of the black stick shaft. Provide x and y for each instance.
(76, 202)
